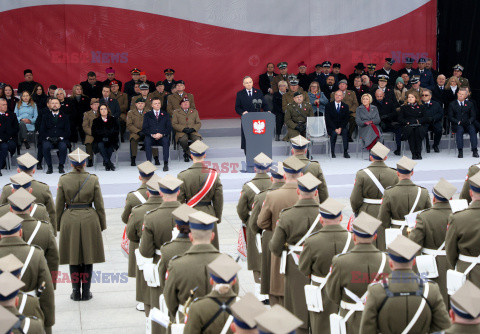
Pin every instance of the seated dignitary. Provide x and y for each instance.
(400, 89)
(296, 114)
(210, 314)
(293, 88)
(91, 87)
(316, 259)
(465, 193)
(27, 113)
(202, 187)
(157, 128)
(414, 120)
(404, 300)
(8, 133)
(282, 76)
(465, 310)
(425, 75)
(80, 223)
(186, 123)
(144, 94)
(277, 320)
(169, 79)
(434, 112)
(402, 199)
(368, 122)
(174, 100)
(11, 320)
(294, 225)
(36, 275)
(110, 102)
(382, 84)
(415, 88)
(105, 133)
(350, 99)
(55, 130)
(337, 115)
(87, 123)
(161, 93)
(353, 271)
(318, 100)
(277, 98)
(244, 312)
(388, 72)
(461, 114)
(388, 117)
(122, 100)
(110, 71)
(330, 86)
(430, 231)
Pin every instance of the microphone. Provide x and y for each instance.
(257, 103)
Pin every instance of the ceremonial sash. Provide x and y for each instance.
(212, 176)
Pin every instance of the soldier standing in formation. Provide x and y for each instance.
(244, 312)
(465, 193)
(465, 310)
(277, 320)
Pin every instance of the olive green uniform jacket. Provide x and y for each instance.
(312, 166)
(465, 193)
(39, 213)
(30, 326)
(296, 114)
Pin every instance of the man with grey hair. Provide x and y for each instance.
(461, 114)
(434, 112)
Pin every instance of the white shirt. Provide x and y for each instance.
(337, 105)
(460, 103)
(249, 92)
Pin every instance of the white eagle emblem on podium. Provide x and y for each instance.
(259, 127)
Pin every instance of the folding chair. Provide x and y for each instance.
(317, 133)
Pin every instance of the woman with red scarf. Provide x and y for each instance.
(368, 121)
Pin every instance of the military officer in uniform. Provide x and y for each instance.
(371, 73)
(294, 225)
(370, 184)
(277, 178)
(36, 275)
(186, 123)
(174, 100)
(11, 320)
(144, 95)
(296, 115)
(353, 271)
(463, 236)
(293, 87)
(457, 72)
(277, 320)
(465, 193)
(283, 75)
(41, 191)
(202, 188)
(316, 258)
(210, 314)
(299, 150)
(400, 200)
(275, 202)
(244, 312)
(87, 123)
(465, 310)
(404, 302)
(388, 71)
(431, 228)
(80, 224)
(259, 183)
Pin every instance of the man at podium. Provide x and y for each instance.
(248, 100)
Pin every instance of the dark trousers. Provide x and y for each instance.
(415, 137)
(279, 120)
(333, 139)
(40, 150)
(134, 148)
(183, 141)
(470, 129)
(397, 132)
(22, 133)
(164, 142)
(89, 150)
(5, 148)
(76, 130)
(352, 125)
(106, 151)
(437, 135)
(62, 151)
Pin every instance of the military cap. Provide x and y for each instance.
(185, 99)
(277, 320)
(169, 71)
(109, 70)
(169, 184)
(296, 94)
(379, 151)
(409, 60)
(336, 65)
(343, 81)
(179, 82)
(277, 171)
(223, 269)
(7, 320)
(245, 310)
(144, 86)
(198, 148)
(458, 67)
(201, 221)
(27, 71)
(21, 200)
(415, 79)
(390, 61)
(402, 249)
(146, 169)
(10, 223)
(140, 99)
(444, 190)
(302, 63)
(308, 182)
(153, 186)
(405, 165)
(26, 161)
(466, 301)
(182, 212)
(299, 142)
(359, 66)
(9, 286)
(282, 65)
(94, 100)
(113, 82)
(331, 208)
(326, 63)
(422, 60)
(292, 165)
(135, 71)
(372, 66)
(11, 264)
(159, 83)
(262, 161)
(383, 77)
(21, 180)
(474, 182)
(293, 82)
(77, 157)
(365, 226)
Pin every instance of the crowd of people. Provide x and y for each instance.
(97, 114)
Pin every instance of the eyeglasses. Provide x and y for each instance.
(425, 95)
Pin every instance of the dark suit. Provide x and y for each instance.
(265, 83)
(318, 77)
(389, 119)
(129, 89)
(426, 78)
(304, 81)
(55, 132)
(463, 120)
(26, 86)
(409, 117)
(328, 90)
(360, 91)
(337, 119)
(439, 95)
(8, 135)
(94, 91)
(435, 113)
(152, 125)
(112, 105)
(389, 93)
(338, 77)
(392, 76)
(243, 103)
(169, 85)
(404, 70)
(278, 111)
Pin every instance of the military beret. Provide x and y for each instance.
(140, 99)
(409, 60)
(444, 190)
(405, 165)
(169, 184)
(179, 82)
(308, 182)
(78, 156)
(198, 148)
(379, 151)
(282, 65)
(365, 226)
(9, 286)
(113, 82)
(7, 320)
(359, 66)
(299, 142)
(22, 180)
(302, 63)
(245, 310)
(277, 320)
(331, 208)
(27, 71)
(169, 71)
(144, 86)
(182, 212)
(390, 61)
(262, 161)
(223, 269)
(458, 67)
(26, 161)
(415, 79)
(10, 223)
(466, 301)
(109, 70)
(201, 221)
(159, 83)
(402, 249)
(336, 65)
(474, 182)
(292, 165)
(297, 94)
(135, 71)
(21, 200)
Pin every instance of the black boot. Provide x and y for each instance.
(157, 162)
(333, 155)
(61, 170)
(39, 166)
(50, 170)
(186, 158)
(27, 145)
(75, 278)
(346, 155)
(132, 161)
(112, 166)
(18, 150)
(165, 166)
(460, 153)
(90, 163)
(475, 153)
(87, 281)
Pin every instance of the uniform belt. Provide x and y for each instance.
(372, 201)
(318, 279)
(32, 293)
(181, 309)
(204, 203)
(79, 206)
(398, 222)
(434, 251)
(471, 259)
(294, 248)
(157, 251)
(352, 306)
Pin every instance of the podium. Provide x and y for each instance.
(258, 129)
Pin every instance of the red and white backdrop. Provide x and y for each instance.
(211, 44)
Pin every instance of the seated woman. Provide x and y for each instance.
(26, 111)
(318, 100)
(414, 121)
(368, 122)
(9, 95)
(39, 97)
(400, 91)
(105, 133)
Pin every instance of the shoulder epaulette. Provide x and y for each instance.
(38, 247)
(316, 232)
(175, 257)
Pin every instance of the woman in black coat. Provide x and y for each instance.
(9, 95)
(414, 120)
(105, 133)
(39, 97)
(79, 104)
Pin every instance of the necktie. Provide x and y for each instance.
(441, 87)
(250, 93)
(156, 115)
(461, 104)
(421, 71)
(338, 107)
